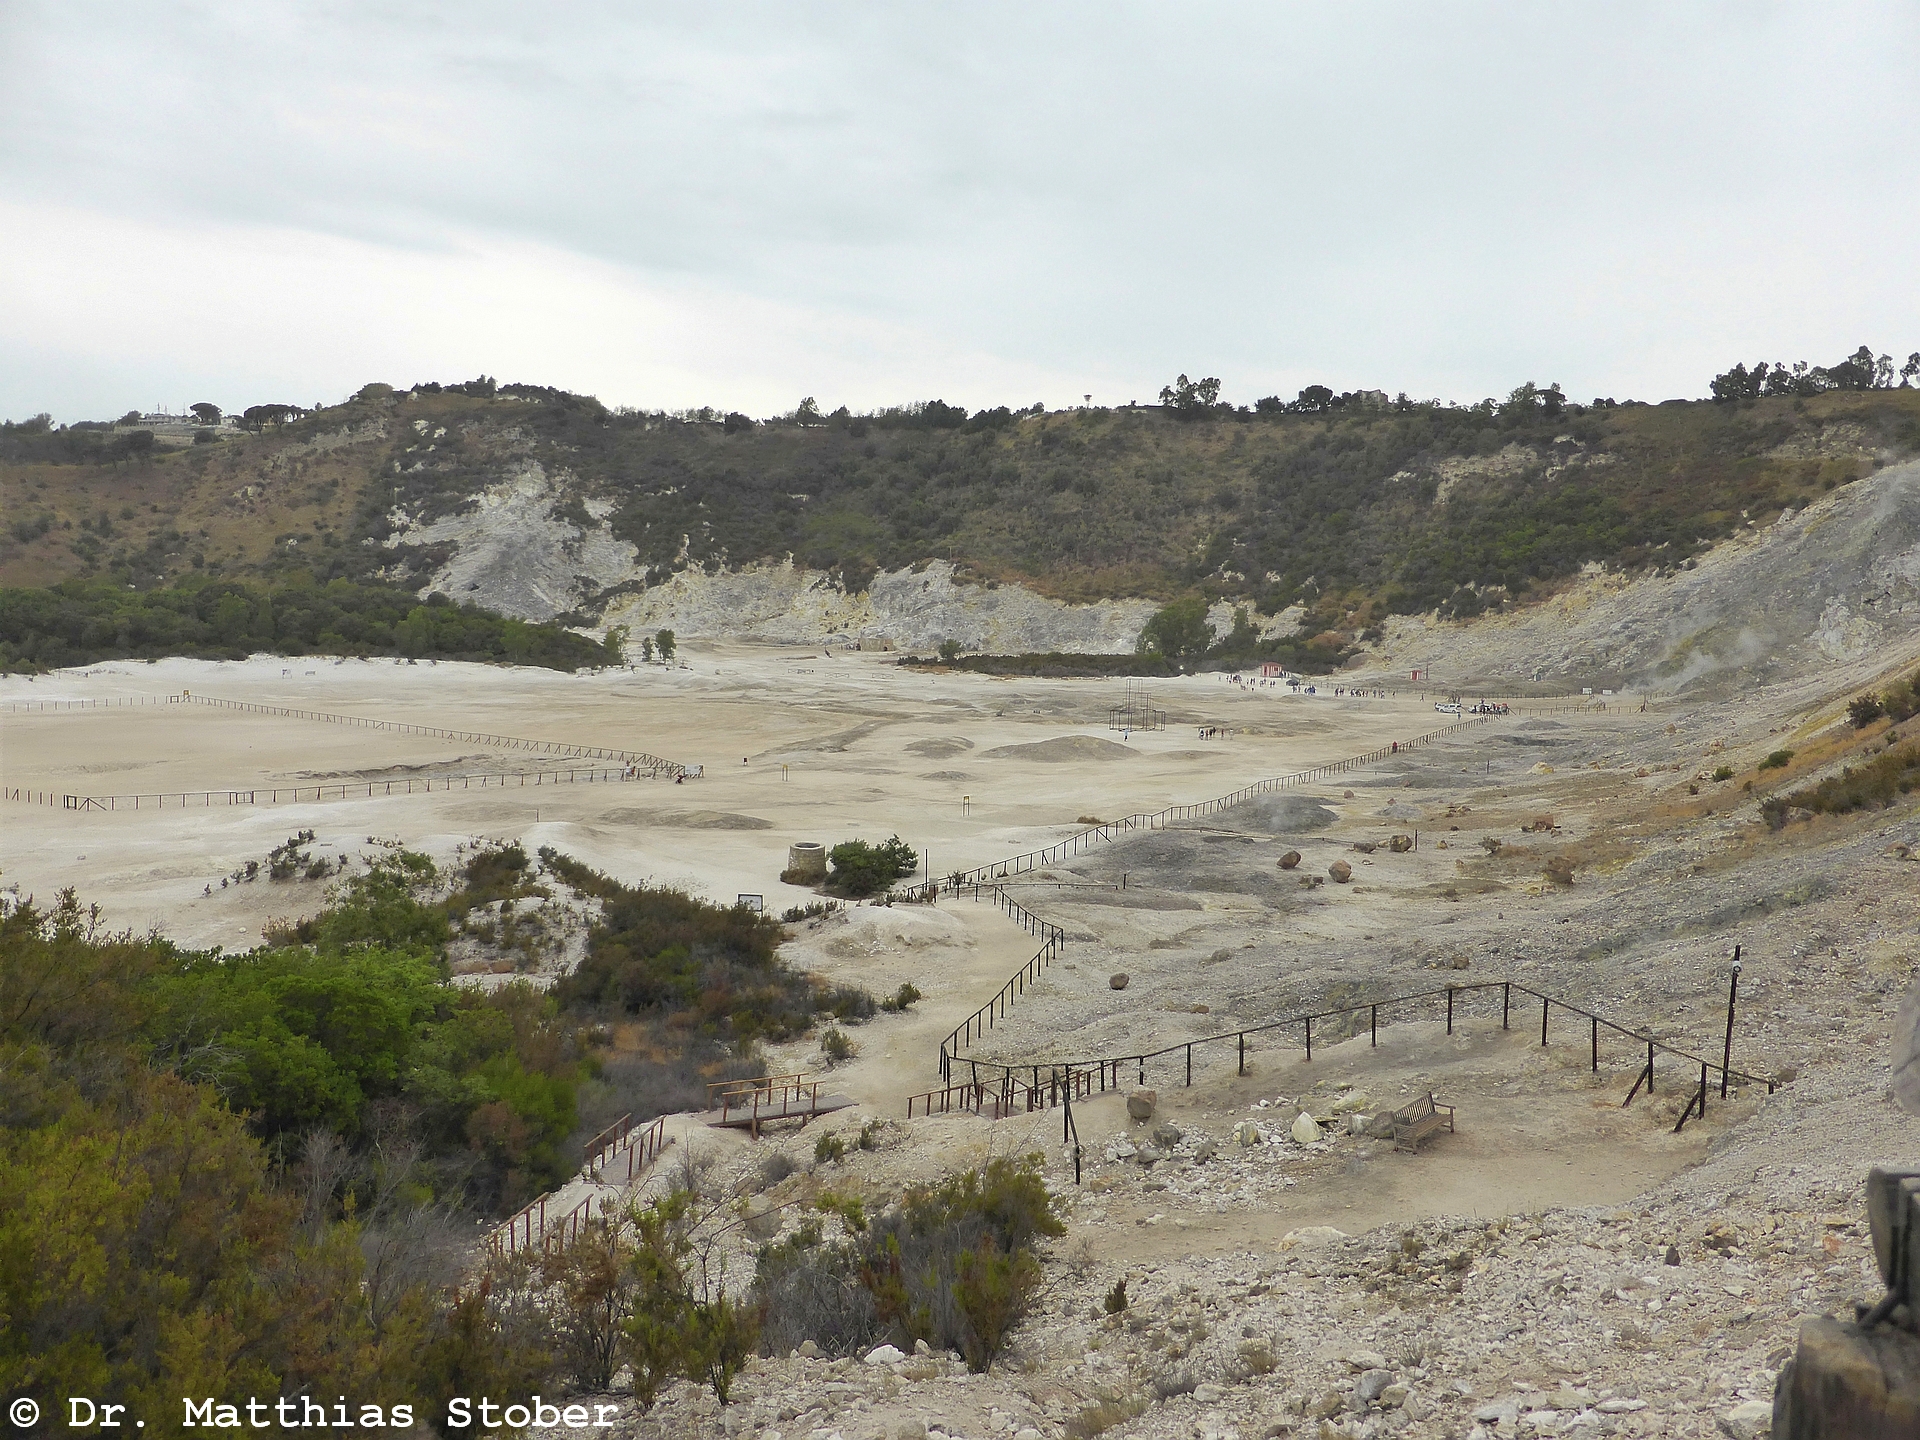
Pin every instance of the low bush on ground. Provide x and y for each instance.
(657, 951)
(952, 1264)
(1899, 701)
(1874, 785)
(835, 1045)
(1778, 760)
(859, 868)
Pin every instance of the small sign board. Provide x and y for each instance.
(756, 903)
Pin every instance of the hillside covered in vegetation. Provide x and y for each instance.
(1352, 506)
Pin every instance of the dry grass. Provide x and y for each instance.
(1102, 1414)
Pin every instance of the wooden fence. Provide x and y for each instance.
(634, 759)
(308, 794)
(984, 876)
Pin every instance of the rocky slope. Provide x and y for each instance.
(1833, 583)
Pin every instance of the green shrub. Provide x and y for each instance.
(858, 869)
(835, 1045)
(1778, 760)
(1723, 772)
(828, 1148)
(951, 1264)
(901, 999)
(1863, 710)
(1117, 1297)
(1877, 784)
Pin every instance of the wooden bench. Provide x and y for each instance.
(1415, 1122)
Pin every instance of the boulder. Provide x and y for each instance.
(1340, 872)
(885, 1355)
(1311, 1235)
(1167, 1135)
(1843, 1381)
(1208, 1393)
(1400, 844)
(1372, 1384)
(1748, 1421)
(1248, 1133)
(1141, 1102)
(1120, 981)
(1380, 1127)
(1365, 847)
(1290, 859)
(1306, 1130)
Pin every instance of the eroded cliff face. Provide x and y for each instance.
(1834, 584)
(512, 553)
(913, 609)
(520, 549)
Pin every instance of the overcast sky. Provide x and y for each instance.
(994, 204)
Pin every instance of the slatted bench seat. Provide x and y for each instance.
(1414, 1123)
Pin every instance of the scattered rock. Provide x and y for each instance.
(1141, 1102)
(1348, 795)
(1366, 1360)
(1748, 1421)
(1400, 844)
(1290, 859)
(884, 1355)
(1371, 1385)
(1312, 1235)
(1248, 1133)
(1207, 1393)
(1167, 1135)
(1673, 1254)
(1205, 1151)
(1313, 881)
(1340, 872)
(809, 1349)
(1365, 847)
(1120, 981)
(1306, 1130)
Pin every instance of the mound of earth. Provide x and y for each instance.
(947, 775)
(939, 748)
(1283, 814)
(1064, 749)
(687, 819)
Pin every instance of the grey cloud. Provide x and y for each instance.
(1415, 196)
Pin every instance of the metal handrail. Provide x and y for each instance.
(1107, 1065)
